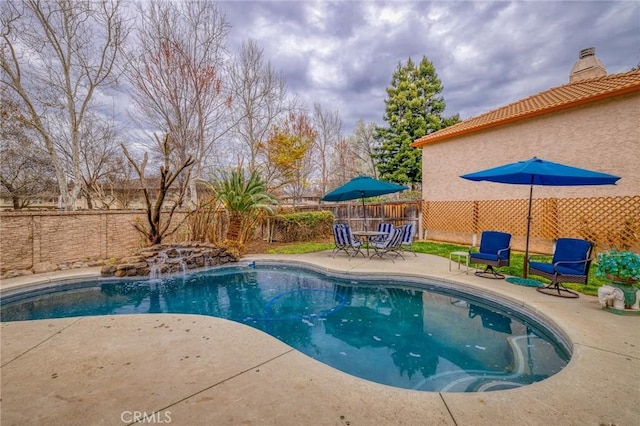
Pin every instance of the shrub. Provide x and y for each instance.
(302, 226)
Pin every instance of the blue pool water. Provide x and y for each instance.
(412, 335)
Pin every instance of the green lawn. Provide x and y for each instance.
(443, 250)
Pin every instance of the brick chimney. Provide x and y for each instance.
(587, 66)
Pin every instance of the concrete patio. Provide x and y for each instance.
(195, 370)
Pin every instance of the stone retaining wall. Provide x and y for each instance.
(163, 259)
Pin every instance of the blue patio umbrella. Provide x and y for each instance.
(362, 187)
(540, 172)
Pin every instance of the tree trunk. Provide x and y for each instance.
(193, 193)
(235, 227)
(87, 196)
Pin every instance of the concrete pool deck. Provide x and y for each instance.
(196, 370)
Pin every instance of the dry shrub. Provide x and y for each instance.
(207, 222)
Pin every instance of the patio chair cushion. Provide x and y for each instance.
(384, 227)
(491, 243)
(572, 250)
(390, 246)
(408, 233)
(338, 234)
(548, 268)
(485, 256)
(351, 239)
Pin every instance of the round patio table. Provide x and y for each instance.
(369, 235)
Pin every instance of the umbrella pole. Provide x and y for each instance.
(526, 247)
(364, 212)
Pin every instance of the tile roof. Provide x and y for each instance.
(554, 99)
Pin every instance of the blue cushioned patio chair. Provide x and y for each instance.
(494, 251)
(389, 246)
(345, 241)
(570, 264)
(408, 232)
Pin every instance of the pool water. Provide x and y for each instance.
(394, 332)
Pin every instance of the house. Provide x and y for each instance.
(592, 122)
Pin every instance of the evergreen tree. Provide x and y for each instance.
(412, 109)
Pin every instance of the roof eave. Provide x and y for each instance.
(435, 138)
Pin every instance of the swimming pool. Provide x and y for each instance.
(405, 333)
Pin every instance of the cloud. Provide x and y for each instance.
(487, 54)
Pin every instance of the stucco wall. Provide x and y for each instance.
(602, 136)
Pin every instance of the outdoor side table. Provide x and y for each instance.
(459, 254)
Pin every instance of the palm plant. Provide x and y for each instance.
(245, 199)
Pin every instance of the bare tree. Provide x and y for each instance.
(158, 229)
(25, 174)
(363, 144)
(342, 164)
(328, 126)
(259, 99)
(118, 186)
(353, 156)
(176, 74)
(55, 56)
(99, 146)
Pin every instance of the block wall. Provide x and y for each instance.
(31, 238)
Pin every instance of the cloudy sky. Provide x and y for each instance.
(487, 54)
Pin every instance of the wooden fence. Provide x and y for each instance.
(606, 221)
(354, 215)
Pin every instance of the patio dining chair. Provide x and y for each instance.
(338, 239)
(494, 251)
(570, 264)
(386, 228)
(389, 247)
(408, 232)
(345, 241)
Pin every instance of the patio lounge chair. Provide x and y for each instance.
(345, 241)
(494, 251)
(389, 246)
(570, 264)
(408, 232)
